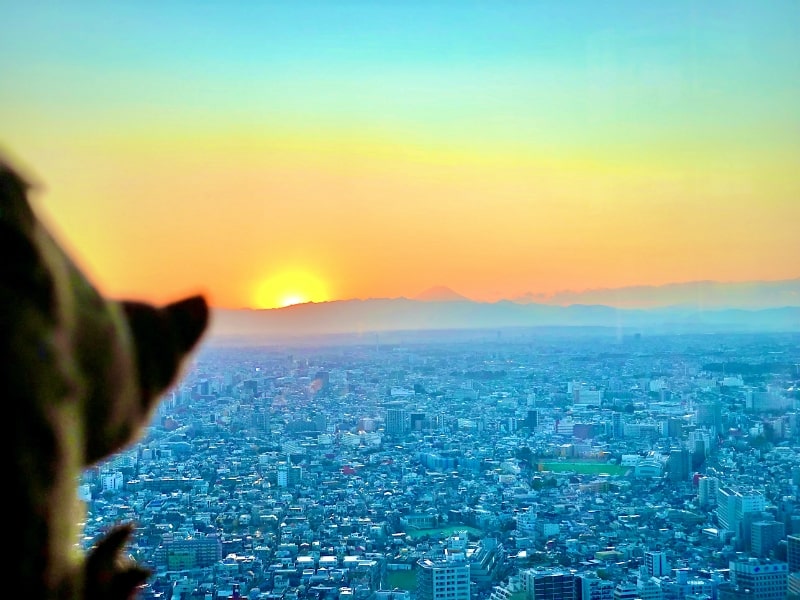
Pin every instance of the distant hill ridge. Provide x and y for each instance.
(705, 294)
(447, 310)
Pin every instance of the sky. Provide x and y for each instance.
(267, 153)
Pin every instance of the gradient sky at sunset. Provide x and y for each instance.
(274, 152)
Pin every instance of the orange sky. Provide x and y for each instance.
(379, 164)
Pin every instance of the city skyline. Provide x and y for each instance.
(267, 154)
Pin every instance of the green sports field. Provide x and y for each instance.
(443, 531)
(403, 580)
(584, 468)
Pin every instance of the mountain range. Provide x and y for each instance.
(441, 309)
(700, 294)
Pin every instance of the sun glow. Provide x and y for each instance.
(293, 299)
(288, 288)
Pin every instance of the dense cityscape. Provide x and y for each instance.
(583, 464)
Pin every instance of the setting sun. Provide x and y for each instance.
(290, 287)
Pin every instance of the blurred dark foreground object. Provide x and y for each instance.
(82, 375)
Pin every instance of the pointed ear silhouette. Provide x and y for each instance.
(162, 337)
(189, 318)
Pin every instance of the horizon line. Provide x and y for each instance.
(520, 299)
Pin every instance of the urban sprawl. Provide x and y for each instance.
(512, 465)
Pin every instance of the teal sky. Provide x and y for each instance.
(421, 67)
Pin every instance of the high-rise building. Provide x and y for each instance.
(793, 553)
(766, 401)
(793, 525)
(709, 414)
(785, 511)
(486, 561)
(764, 536)
(396, 421)
(700, 438)
(581, 395)
(295, 475)
(532, 419)
(617, 425)
(726, 508)
(732, 506)
(550, 584)
(707, 491)
(793, 587)
(262, 419)
(672, 427)
(283, 476)
(444, 579)
(320, 422)
(417, 421)
(526, 523)
(594, 588)
(766, 579)
(679, 465)
(656, 564)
